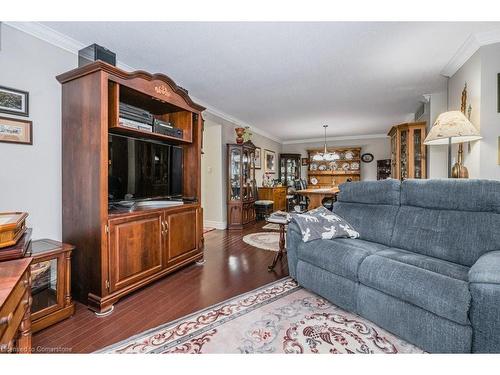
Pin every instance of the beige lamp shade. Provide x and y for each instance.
(452, 125)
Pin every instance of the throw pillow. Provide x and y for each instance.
(321, 223)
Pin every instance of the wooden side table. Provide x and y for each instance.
(51, 283)
(282, 222)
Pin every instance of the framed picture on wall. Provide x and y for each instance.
(304, 162)
(258, 160)
(16, 131)
(269, 161)
(14, 102)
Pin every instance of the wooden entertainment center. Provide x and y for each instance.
(121, 250)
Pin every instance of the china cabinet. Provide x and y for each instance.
(340, 165)
(241, 185)
(408, 152)
(289, 168)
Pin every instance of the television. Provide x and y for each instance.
(142, 169)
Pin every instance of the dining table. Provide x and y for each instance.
(317, 195)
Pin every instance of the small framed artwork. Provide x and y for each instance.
(269, 161)
(304, 162)
(14, 102)
(16, 131)
(258, 160)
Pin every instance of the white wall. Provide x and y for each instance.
(30, 176)
(379, 147)
(470, 72)
(212, 201)
(490, 118)
(437, 156)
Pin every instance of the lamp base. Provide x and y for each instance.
(459, 171)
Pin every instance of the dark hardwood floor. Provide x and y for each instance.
(232, 267)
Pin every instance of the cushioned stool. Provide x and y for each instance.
(263, 208)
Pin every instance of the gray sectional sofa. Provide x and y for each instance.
(426, 266)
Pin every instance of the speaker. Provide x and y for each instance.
(95, 52)
(176, 171)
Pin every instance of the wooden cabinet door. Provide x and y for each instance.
(181, 236)
(279, 199)
(135, 249)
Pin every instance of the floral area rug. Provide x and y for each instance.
(263, 240)
(278, 318)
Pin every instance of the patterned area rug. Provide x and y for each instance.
(271, 226)
(278, 318)
(263, 240)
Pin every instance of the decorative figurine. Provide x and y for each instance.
(247, 135)
(239, 135)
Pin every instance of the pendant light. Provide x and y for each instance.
(325, 155)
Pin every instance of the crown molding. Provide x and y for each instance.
(333, 139)
(469, 48)
(69, 44)
(224, 116)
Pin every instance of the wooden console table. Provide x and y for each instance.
(316, 196)
(15, 301)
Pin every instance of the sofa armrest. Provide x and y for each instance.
(293, 240)
(484, 314)
(486, 269)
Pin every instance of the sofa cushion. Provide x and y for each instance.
(457, 236)
(370, 207)
(452, 194)
(385, 192)
(452, 220)
(339, 256)
(443, 267)
(432, 284)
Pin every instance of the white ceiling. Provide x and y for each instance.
(288, 79)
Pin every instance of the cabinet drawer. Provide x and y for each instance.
(10, 306)
(13, 320)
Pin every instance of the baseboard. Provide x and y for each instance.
(215, 224)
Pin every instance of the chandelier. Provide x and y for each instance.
(325, 155)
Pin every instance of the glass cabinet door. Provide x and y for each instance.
(417, 153)
(44, 285)
(245, 171)
(291, 171)
(403, 163)
(235, 174)
(252, 174)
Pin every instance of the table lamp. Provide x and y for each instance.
(453, 127)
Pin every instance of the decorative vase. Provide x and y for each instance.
(239, 135)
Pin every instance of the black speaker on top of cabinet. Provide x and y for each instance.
(95, 52)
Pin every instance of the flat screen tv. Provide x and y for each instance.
(142, 169)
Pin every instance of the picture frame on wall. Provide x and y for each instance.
(269, 161)
(14, 130)
(304, 162)
(14, 102)
(258, 158)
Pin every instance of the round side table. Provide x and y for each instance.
(282, 222)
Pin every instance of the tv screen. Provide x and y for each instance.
(140, 169)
